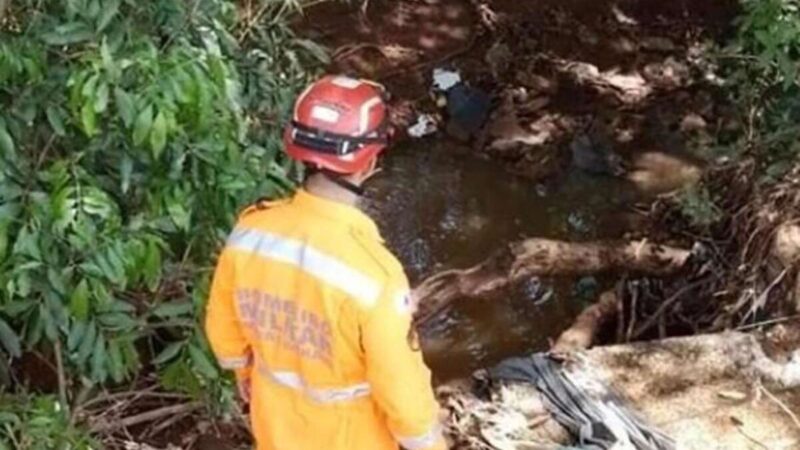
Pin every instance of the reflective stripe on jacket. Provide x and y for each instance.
(308, 303)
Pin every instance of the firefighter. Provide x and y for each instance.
(310, 309)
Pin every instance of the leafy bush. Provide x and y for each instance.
(762, 71)
(38, 423)
(131, 132)
(698, 207)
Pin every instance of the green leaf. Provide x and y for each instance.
(7, 417)
(319, 52)
(87, 344)
(158, 135)
(169, 353)
(75, 336)
(121, 307)
(144, 122)
(95, 202)
(173, 309)
(110, 9)
(49, 322)
(202, 363)
(152, 266)
(101, 98)
(125, 106)
(115, 363)
(35, 328)
(14, 308)
(7, 147)
(99, 360)
(9, 339)
(92, 9)
(125, 173)
(70, 33)
(105, 56)
(79, 301)
(4, 240)
(55, 116)
(179, 214)
(89, 119)
(27, 244)
(57, 280)
(179, 377)
(117, 321)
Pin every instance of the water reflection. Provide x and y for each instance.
(439, 210)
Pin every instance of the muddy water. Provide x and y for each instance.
(439, 209)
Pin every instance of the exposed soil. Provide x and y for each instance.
(634, 68)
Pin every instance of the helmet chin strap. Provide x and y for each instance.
(344, 184)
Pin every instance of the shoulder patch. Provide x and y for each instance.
(262, 204)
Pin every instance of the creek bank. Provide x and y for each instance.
(706, 391)
(553, 68)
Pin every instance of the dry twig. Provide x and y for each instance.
(780, 404)
(145, 417)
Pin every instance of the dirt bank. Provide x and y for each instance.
(706, 392)
(633, 69)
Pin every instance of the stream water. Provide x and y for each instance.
(440, 209)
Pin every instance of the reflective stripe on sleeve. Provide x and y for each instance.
(294, 381)
(234, 363)
(423, 441)
(308, 259)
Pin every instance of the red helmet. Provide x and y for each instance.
(339, 124)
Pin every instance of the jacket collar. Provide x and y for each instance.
(338, 212)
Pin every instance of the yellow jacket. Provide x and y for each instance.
(308, 302)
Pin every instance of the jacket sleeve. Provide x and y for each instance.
(400, 381)
(223, 328)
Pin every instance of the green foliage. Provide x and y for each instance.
(130, 135)
(762, 71)
(38, 423)
(696, 204)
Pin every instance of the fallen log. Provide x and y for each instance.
(541, 257)
(583, 331)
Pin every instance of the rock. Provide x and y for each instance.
(534, 104)
(693, 123)
(537, 83)
(659, 172)
(594, 157)
(668, 74)
(732, 395)
(658, 44)
(622, 17)
(786, 244)
(499, 58)
(623, 45)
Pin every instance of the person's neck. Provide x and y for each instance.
(319, 185)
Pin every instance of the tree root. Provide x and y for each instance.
(541, 257)
(583, 331)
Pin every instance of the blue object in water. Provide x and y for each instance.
(467, 107)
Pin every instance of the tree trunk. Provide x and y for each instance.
(537, 257)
